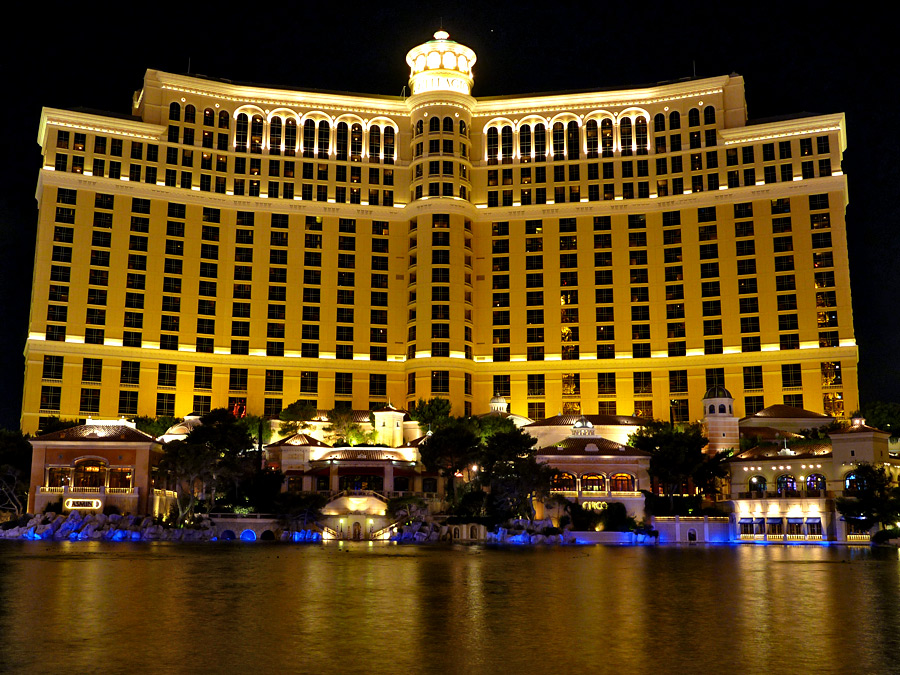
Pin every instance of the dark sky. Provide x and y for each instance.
(794, 57)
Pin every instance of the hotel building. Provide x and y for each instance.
(604, 252)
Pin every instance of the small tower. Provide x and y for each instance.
(389, 426)
(719, 422)
(498, 405)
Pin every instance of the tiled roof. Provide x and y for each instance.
(299, 439)
(359, 416)
(98, 432)
(860, 428)
(787, 412)
(367, 455)
(802, 449)
(768, 433)
(596, 420)
(579, 445)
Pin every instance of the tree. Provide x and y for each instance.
(258, 429)
(229, 446)
(155, 426)
(676, 454)
(295, 416)
(883, 415)
(453, 448)
(342, 426)
(299, 510)
(51, 424)
(433, 413)
(15, 467)
(190, 464)
(509, 468)
(874, 500)
(488, 425)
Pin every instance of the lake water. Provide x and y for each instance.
(82, 607)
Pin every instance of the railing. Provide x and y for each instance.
(120, 491)
(164, 493)
(865, 536)
(53, 490)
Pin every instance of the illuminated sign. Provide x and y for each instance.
(593, 506)
(83, 504)
(423, 83)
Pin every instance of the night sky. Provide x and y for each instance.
(801, 59)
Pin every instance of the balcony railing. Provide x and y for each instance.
(787, 494)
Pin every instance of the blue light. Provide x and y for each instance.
(248, 535)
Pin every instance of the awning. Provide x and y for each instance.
(813, 520)
(745, 520)
(773, 520)
(759, 521)
(795, 520)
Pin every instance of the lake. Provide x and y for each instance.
(80, 607)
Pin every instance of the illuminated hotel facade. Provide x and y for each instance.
(612, 252)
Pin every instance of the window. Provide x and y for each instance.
(790, 375)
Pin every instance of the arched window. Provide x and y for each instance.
(434, 125)
(815, 481)
(240, 133)
(90, 473)
(209, 118)
(593, 482)
(757, 484)
(785, 483)
(389, 145)
(563, 482)
(309, 138)
(356, 142)
(640, 136)
(224, 119)
(456, 533)
(606, 137)
(709, 115)
(712, 409)
(573, 141)
(674, 120)
(324, 139)
(721, 408)
(592, 135)
(463, 131)
(853, 483)
(340, 141)
(621, 482)
(473, 532)
(190, 114)
(625, 136)
(175, 111)
(448, 125)
(374, 143)
(506, 144)
(540, 142)
(275, 136)
(290, 137)
(659, 122)
(256, 134)
(493, 145)
(693, 117)
(525, 143)
(559, 141)
(419, 128)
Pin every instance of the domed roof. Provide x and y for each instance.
(718, 391)
(498, 399)
(583, 422)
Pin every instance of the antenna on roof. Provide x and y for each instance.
(694, 64)
(189, 66)
(403, 91)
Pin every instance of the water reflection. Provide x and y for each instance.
(92, 606)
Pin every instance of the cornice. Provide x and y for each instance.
(524, 105)
(786, 128)
(670, 203)
(69, 119)
(247, 94)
